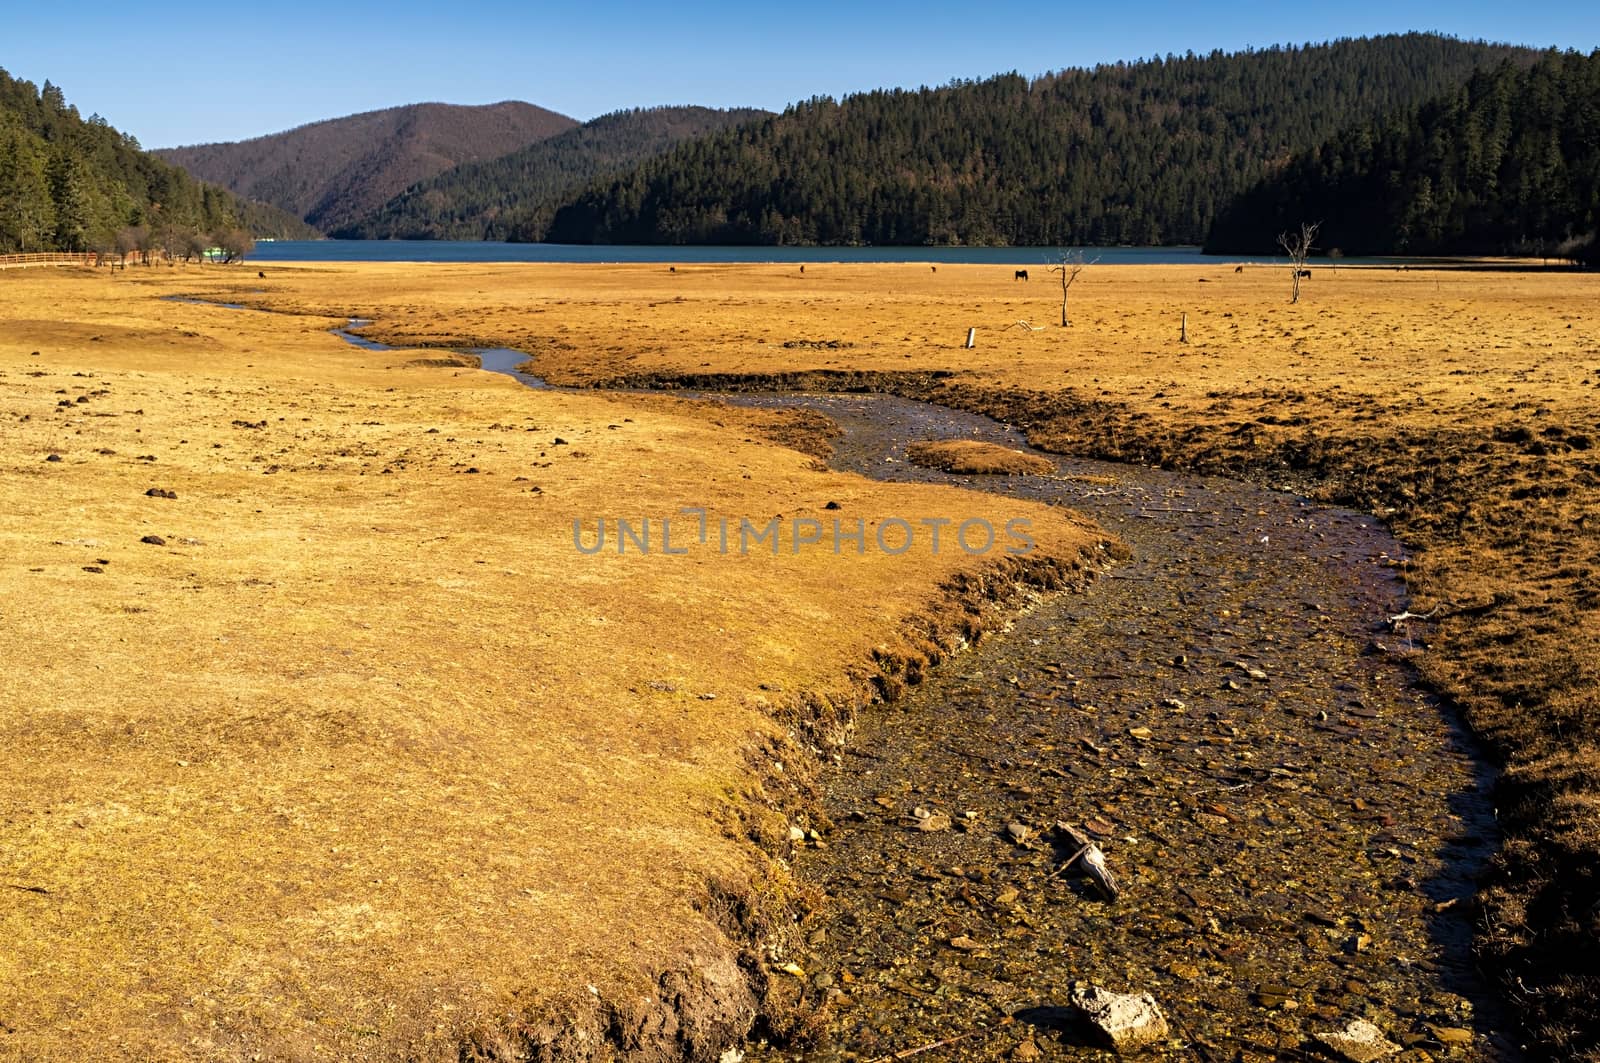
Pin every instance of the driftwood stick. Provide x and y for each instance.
(1090, 860)
(907, 1053)
(1066, 865)
(991, 761)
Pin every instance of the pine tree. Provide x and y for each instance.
(27, 216)
(69, 196)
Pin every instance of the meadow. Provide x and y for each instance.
(364, 756)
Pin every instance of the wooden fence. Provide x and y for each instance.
(49, 258)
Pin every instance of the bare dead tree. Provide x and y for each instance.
(1069, 265)
(1298, 246)
(235, 244)
(127, 240)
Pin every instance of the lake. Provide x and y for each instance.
(478, 251)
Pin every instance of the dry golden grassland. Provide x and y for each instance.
(345, 751)
(1460, 404)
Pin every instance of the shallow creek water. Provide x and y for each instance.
(1295, 825)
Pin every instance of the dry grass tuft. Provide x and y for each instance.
(448, 361)
(970, 457)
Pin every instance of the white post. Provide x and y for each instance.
(972, 338)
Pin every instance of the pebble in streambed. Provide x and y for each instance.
(1295, 827)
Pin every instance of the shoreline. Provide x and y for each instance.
(690, 255)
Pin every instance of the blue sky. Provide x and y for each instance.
(181, 73)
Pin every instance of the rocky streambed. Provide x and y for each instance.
(1295, 825)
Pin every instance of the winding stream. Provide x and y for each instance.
(1296, 826)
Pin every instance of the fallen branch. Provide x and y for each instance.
(907, 1053)
(991, 761)
(1090, 860)
(1400, 618)
(1222, 789)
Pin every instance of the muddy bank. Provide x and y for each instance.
(1230, 716)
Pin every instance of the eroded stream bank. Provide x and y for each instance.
(1297, 827)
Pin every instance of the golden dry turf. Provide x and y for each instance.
(335, 747)
(971, 457)
(1459, 404)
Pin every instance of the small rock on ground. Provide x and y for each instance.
(1126, 1020)
(1359, 1042)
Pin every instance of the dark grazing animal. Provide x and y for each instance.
(1305, 273)
(1238, 269)
(1022, 274)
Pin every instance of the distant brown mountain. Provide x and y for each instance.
(334, 172)
(513, 196)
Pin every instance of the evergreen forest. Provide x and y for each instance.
(1508, 163)
(69, 183)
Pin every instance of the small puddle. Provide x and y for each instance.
(354, 339)
(505, 360)
(491, 359)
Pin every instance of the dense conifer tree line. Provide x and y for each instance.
(68, 183)
(1127, 153)
(1508, 163)
(513, 196)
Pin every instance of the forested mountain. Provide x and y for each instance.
(1508, 163)
(515, 195)
(73, 184)
(336, 172)
(1136, 153)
